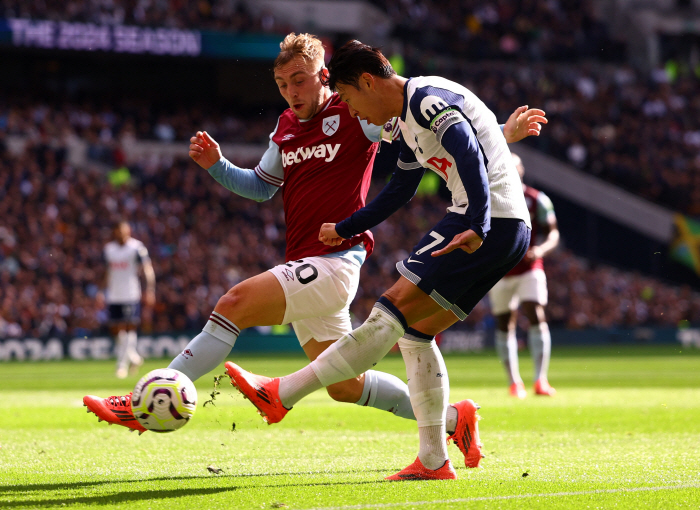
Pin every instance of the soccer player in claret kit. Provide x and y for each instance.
(484, 234)
(525, 286)
(323, 156)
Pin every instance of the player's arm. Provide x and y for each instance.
(149, 295)
(548, 222)
(523, 122)
(398, 192)
(206, 152)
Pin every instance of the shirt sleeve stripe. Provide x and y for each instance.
(268, 178)
(408, 166)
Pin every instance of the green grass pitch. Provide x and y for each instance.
(623, 432)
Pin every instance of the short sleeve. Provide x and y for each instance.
(545, 209)
(436, 109)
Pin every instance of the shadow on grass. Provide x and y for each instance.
(75, 485)
(122, 497)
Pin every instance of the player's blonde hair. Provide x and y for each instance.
(306, 46)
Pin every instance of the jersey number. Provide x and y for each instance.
(438, 239)
(309, 277)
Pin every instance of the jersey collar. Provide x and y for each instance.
(404, 111)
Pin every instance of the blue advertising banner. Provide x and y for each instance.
(73, 36)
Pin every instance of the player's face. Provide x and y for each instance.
(364, 103)
(122, 233)
(300, 85)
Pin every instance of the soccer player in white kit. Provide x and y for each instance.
(484, 234)
(125, 257)
(525, 286)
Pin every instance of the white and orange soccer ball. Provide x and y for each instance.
(164, 400)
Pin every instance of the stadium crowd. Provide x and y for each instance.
(225, 15)
(203, 239)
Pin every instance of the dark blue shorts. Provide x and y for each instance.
(459, 280)
(129, 313)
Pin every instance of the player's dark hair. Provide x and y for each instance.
(352, 60)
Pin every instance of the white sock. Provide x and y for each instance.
(350, 356)
(507, 349)
(388, 393)
(202, 355)
(429, 386)
(540, 343)
(433, 447)
(121, 350)
(451, 419)
(131, 352)
(220, 327)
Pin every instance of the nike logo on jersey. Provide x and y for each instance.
(326, 151)
(413, 260)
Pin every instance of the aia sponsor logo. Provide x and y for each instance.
(119, 265)
(330, 125)
(440, 164)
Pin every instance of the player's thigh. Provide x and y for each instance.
(503, 295)
(317, 287)
(413, 303)
(436, 323)
(257, 301)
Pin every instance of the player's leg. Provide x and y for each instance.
(371, 389)
(257, 301)
(534, 298)
(504, 305)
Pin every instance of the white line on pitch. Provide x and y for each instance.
(515, 496)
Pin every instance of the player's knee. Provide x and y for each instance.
(230, 302)
(345, 391)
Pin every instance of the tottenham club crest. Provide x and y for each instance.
(330, 125)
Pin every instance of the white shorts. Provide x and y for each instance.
(510, 291)
(319, 291)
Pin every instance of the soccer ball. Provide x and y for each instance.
(164, 400)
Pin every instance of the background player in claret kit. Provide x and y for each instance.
(485, 233)
(526, 286)
(123, 257)
(324, 158)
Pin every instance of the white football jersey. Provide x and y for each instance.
(123, 262)
(433, 104)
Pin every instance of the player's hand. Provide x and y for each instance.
(523, 123)
(533, 253)
(328, 236)
(468, 241)
(204, 150)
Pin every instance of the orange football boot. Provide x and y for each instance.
(466, 434)
(517, 389)
(417, 471)
(113, 410)
(263, 392)
(542, 387)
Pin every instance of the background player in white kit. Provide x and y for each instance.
(526, 286)
(125, 257)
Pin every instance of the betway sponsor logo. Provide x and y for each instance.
(326, 151)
